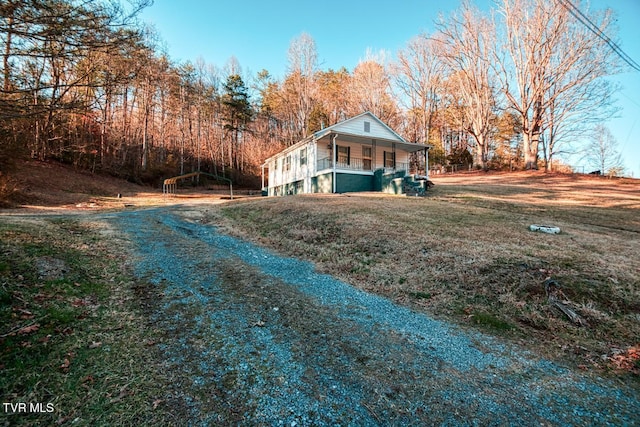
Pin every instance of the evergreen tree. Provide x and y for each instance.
(237, 114)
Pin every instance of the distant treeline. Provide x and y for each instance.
(84, 83)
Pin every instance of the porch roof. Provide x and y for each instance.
(410, 147)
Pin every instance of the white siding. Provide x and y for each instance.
(355, 126)
(279, 176)
(403, 157)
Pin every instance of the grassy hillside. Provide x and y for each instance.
(465, 253)
(47, 184)
(55, 186)
(74, 335)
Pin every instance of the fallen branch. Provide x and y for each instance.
(552, 288)
(22, 330)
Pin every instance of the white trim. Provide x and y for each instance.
(334, 156)
(329, 129)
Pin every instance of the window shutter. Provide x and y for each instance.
(348, 155)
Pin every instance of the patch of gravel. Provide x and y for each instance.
(258, 339)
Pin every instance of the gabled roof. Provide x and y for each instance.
(343, 127)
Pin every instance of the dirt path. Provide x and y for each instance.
(257, 339)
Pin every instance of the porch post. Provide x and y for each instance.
(395, 158)
(373, 155)
(426, 162)
(334, 156)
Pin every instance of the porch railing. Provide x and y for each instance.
(358, 164)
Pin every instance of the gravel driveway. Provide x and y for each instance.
(253, 338)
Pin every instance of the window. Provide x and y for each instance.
(366, 158)
(367, 127)
(343, 155)
(389, 159)
(286, 166)
(303, 156)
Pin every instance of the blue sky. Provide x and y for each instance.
(258, 33)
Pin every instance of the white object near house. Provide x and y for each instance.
(545, 229)
(359, 154)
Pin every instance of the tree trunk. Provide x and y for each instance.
(531, 132)
(145, 144)
(548, 161)
(481, 152)
(530, 145)
(7, 53)
(105, 126)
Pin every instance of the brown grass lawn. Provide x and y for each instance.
(465, 254)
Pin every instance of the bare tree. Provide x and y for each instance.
(370, 89)
(303, 63)
(532, 27)
(332, 94)
(580, 95)
(602, 152)
(551, 63)
(468, 43)
(419, 74)
(50, 63)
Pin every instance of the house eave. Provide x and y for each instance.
(408, 146)
(290, 148)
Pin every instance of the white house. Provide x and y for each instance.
(359, 154)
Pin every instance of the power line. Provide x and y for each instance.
(594, 29)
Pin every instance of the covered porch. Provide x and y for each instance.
(356, 154)
(352, 163)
